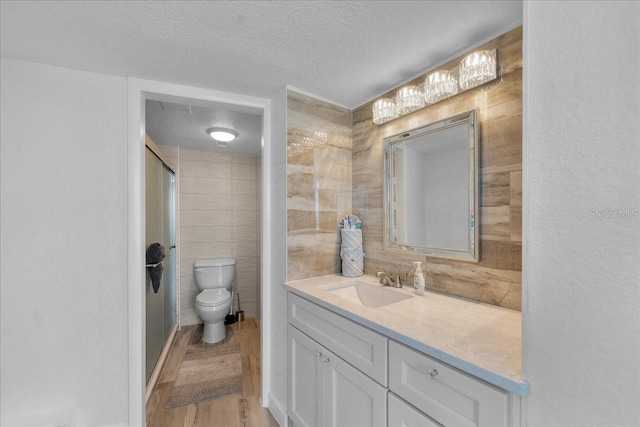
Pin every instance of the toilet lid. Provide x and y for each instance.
(211, 297)
(214, 262)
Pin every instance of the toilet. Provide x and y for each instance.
(214, 278)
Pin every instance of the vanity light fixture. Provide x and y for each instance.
(475, 69)
(409, 99)
(440, 85)
(384, 110)
(222, 134)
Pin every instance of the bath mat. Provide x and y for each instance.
(207, 372)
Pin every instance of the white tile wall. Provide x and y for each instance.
(241, 159)
(244, 187)
(207, 202)
(204, 170)
(219, 216)
(197, 185)
(206, 156)
(245, 203)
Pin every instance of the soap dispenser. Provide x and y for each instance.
(418, 279)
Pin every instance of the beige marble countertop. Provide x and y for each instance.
(480, 339)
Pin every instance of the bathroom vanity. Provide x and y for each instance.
(361, 354)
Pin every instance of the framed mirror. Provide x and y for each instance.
(431, 189)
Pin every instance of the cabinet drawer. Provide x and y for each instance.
(402, 414)
(361, 347)
(449, 396)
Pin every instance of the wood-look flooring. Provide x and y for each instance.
(242, 410)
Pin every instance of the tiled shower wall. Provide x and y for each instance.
(219, 211)
(318, 184)
(496, 279)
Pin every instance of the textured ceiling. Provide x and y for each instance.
(185, 126)
(346, 52)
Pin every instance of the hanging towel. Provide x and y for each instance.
(155, 254)
(156, 276)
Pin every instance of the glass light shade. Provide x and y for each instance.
(409, 99)
(384, 110)
(222, 134)
(477, 68)
(440, 85)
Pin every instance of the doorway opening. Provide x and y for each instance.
(140, 92)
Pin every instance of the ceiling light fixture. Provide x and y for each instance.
(222, 134)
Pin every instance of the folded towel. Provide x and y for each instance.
(155, 254)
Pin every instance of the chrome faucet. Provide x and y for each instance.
(387, 280)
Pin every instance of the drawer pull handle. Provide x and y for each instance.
(318, 354)
(326, 360)
(433, 373)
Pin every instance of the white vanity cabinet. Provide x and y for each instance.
(324, 390)
(447, 395)
(342, 373)
(327, 383)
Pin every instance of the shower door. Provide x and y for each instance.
(160, 227)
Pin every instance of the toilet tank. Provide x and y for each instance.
(212, 273)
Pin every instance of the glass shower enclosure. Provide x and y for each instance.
(161, 308)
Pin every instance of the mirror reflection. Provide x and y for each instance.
(431, 188)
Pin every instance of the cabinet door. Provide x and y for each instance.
(305, 397)
(352, 398)
(360, 346)
(401, 414)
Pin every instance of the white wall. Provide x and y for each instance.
(64, 246)
(277, 300)
(581, 273)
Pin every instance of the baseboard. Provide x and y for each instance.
(278, 411)
(155, 375)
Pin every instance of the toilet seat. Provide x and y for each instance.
(213, 297)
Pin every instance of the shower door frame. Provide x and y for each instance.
(172, 256)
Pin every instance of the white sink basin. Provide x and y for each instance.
(365, 294)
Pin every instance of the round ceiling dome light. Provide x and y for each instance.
(222, 134)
